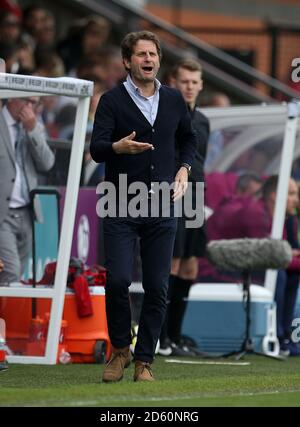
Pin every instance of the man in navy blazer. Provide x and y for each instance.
(136, 127)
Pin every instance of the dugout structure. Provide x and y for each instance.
(19, 86)
(262, 122)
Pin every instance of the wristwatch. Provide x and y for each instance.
(188, 167)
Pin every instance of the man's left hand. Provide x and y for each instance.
(27, 117)
(181, 183)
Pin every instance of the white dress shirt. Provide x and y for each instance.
(147, 105)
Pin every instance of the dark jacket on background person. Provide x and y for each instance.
(201, 127)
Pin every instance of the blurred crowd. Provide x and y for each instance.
(29, 45)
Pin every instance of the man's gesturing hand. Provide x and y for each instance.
(126, 145)
(181, 183)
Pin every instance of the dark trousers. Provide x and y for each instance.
(157, 237)
(285, 297)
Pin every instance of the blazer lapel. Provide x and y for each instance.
(6, 138)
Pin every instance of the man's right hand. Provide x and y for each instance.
(128, 146)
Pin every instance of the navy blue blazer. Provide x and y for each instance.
(117, 116)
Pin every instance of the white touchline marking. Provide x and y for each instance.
(198, 362)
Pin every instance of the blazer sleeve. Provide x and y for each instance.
(102, 136)
(185, 136)
(40, 151)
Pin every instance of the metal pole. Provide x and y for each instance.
(67, 228)
(283, 183)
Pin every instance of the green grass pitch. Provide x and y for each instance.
(261, 382)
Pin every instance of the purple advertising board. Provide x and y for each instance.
(85, 243)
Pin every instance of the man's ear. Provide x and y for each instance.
(126, 64)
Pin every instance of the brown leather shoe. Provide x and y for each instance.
(143, 371)
(114, 369)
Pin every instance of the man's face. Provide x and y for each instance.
(189, 83)
(16, 105)
(292, 200)
(144, 62)
(11, 28)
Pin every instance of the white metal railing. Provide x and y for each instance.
(23, 86)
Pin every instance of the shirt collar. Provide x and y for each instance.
(136, 89)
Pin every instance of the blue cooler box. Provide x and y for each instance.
(215, 316)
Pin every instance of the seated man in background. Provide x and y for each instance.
(228, 222)
(287, 280)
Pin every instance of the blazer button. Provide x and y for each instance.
(152, 167)
(153, 130)
(7, 199)
(13, 180)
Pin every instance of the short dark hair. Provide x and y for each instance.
(269, 186)
(131, 39)
(189, 64)
(245, 179)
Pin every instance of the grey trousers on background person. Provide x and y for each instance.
(15, 243)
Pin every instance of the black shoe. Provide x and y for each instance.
(3, 366)
(165, 349)
(169, 348)
(284, 348)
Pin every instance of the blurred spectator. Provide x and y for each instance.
(25, 58)
(248, 184)
(95, 35)
(93, 172)
(1, 265)
(11, 6)
(115, 69)
(10, 28)
(93, 69)
(227, 221)
(9, 52)
(33, 21)
(45, 35)
(48, 115)
(69, 48)
(49, 64)
(94, 66)
(86, 37)
(216, 140)
(99, 89)
(64, 121)
(219, 99)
